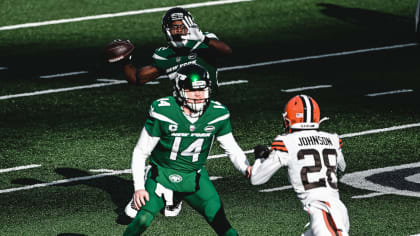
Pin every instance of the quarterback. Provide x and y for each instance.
(187, 44)
(312, 158)
(177, 138)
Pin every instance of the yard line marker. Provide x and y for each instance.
(3, 68)
(111, 15)
(374, 131)
(305, 88)
(233, 82)
(109, 83)
(62, 89)
(317, 57)
(275, 189)
(389, 92)
(19, 168)
(126, 171)
(63, 181)
(63, 74)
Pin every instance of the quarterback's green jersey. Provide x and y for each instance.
(168, 60)
(184, 146)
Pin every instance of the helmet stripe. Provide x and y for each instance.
(311, 104)
(304, 107)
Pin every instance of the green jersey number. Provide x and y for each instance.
(193, 150)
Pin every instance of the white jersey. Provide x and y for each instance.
(312, 158)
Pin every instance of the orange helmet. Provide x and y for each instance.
(301, 112)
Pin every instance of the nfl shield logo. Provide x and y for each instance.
(192, 128)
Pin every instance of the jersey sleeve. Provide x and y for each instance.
(264, 169)
(152, 125)
(159, 59)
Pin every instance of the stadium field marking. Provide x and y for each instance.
(360, 180)
(275, 189)
(389, 92)
(126, 171)
(374, 131)
(63, 89)
(240, 67)
(63, 74)
(112, 15)
(19, 168)
(3, 68)
(109, 82)
(64, 181)
(305, 88)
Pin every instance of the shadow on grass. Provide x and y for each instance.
(119, 189)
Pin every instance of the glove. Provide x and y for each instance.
(194, 32)
(261, 151)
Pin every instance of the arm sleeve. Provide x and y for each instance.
(144, 147)
(235, 153)
(263, 169)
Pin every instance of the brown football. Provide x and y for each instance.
(118, 50)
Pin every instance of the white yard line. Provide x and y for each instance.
(305, 88)
(233, 82)
(3, 68)
(112, 15)
(62, 89)
(317, 57)
(275, 189)
(126, 171)
(389, 92)
(64, 181)
(19, 168)
(63, 74)
(374, 131)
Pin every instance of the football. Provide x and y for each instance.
(118, 50)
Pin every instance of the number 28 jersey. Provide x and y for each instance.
(184, 146)
(312, 158)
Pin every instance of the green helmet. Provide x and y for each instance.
(190, 78)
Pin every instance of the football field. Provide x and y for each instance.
(69, 121)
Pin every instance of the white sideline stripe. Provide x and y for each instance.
(317, 57)
(3, 68)
(19, 168)
(63, 181)
(210, 157)
(275, 189)
(233, 82)
(389, 92)
(111, 15)
(305, 88)
(62, 89)
(374, 131)
(63, 74)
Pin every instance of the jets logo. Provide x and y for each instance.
(173, 128)
(175, 178)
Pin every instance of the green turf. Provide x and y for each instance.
(71, 133)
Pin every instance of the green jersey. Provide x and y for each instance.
(184, 146)
(168, 60)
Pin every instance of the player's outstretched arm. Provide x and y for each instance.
(235, 153)
(140, 76)
(265, 165)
